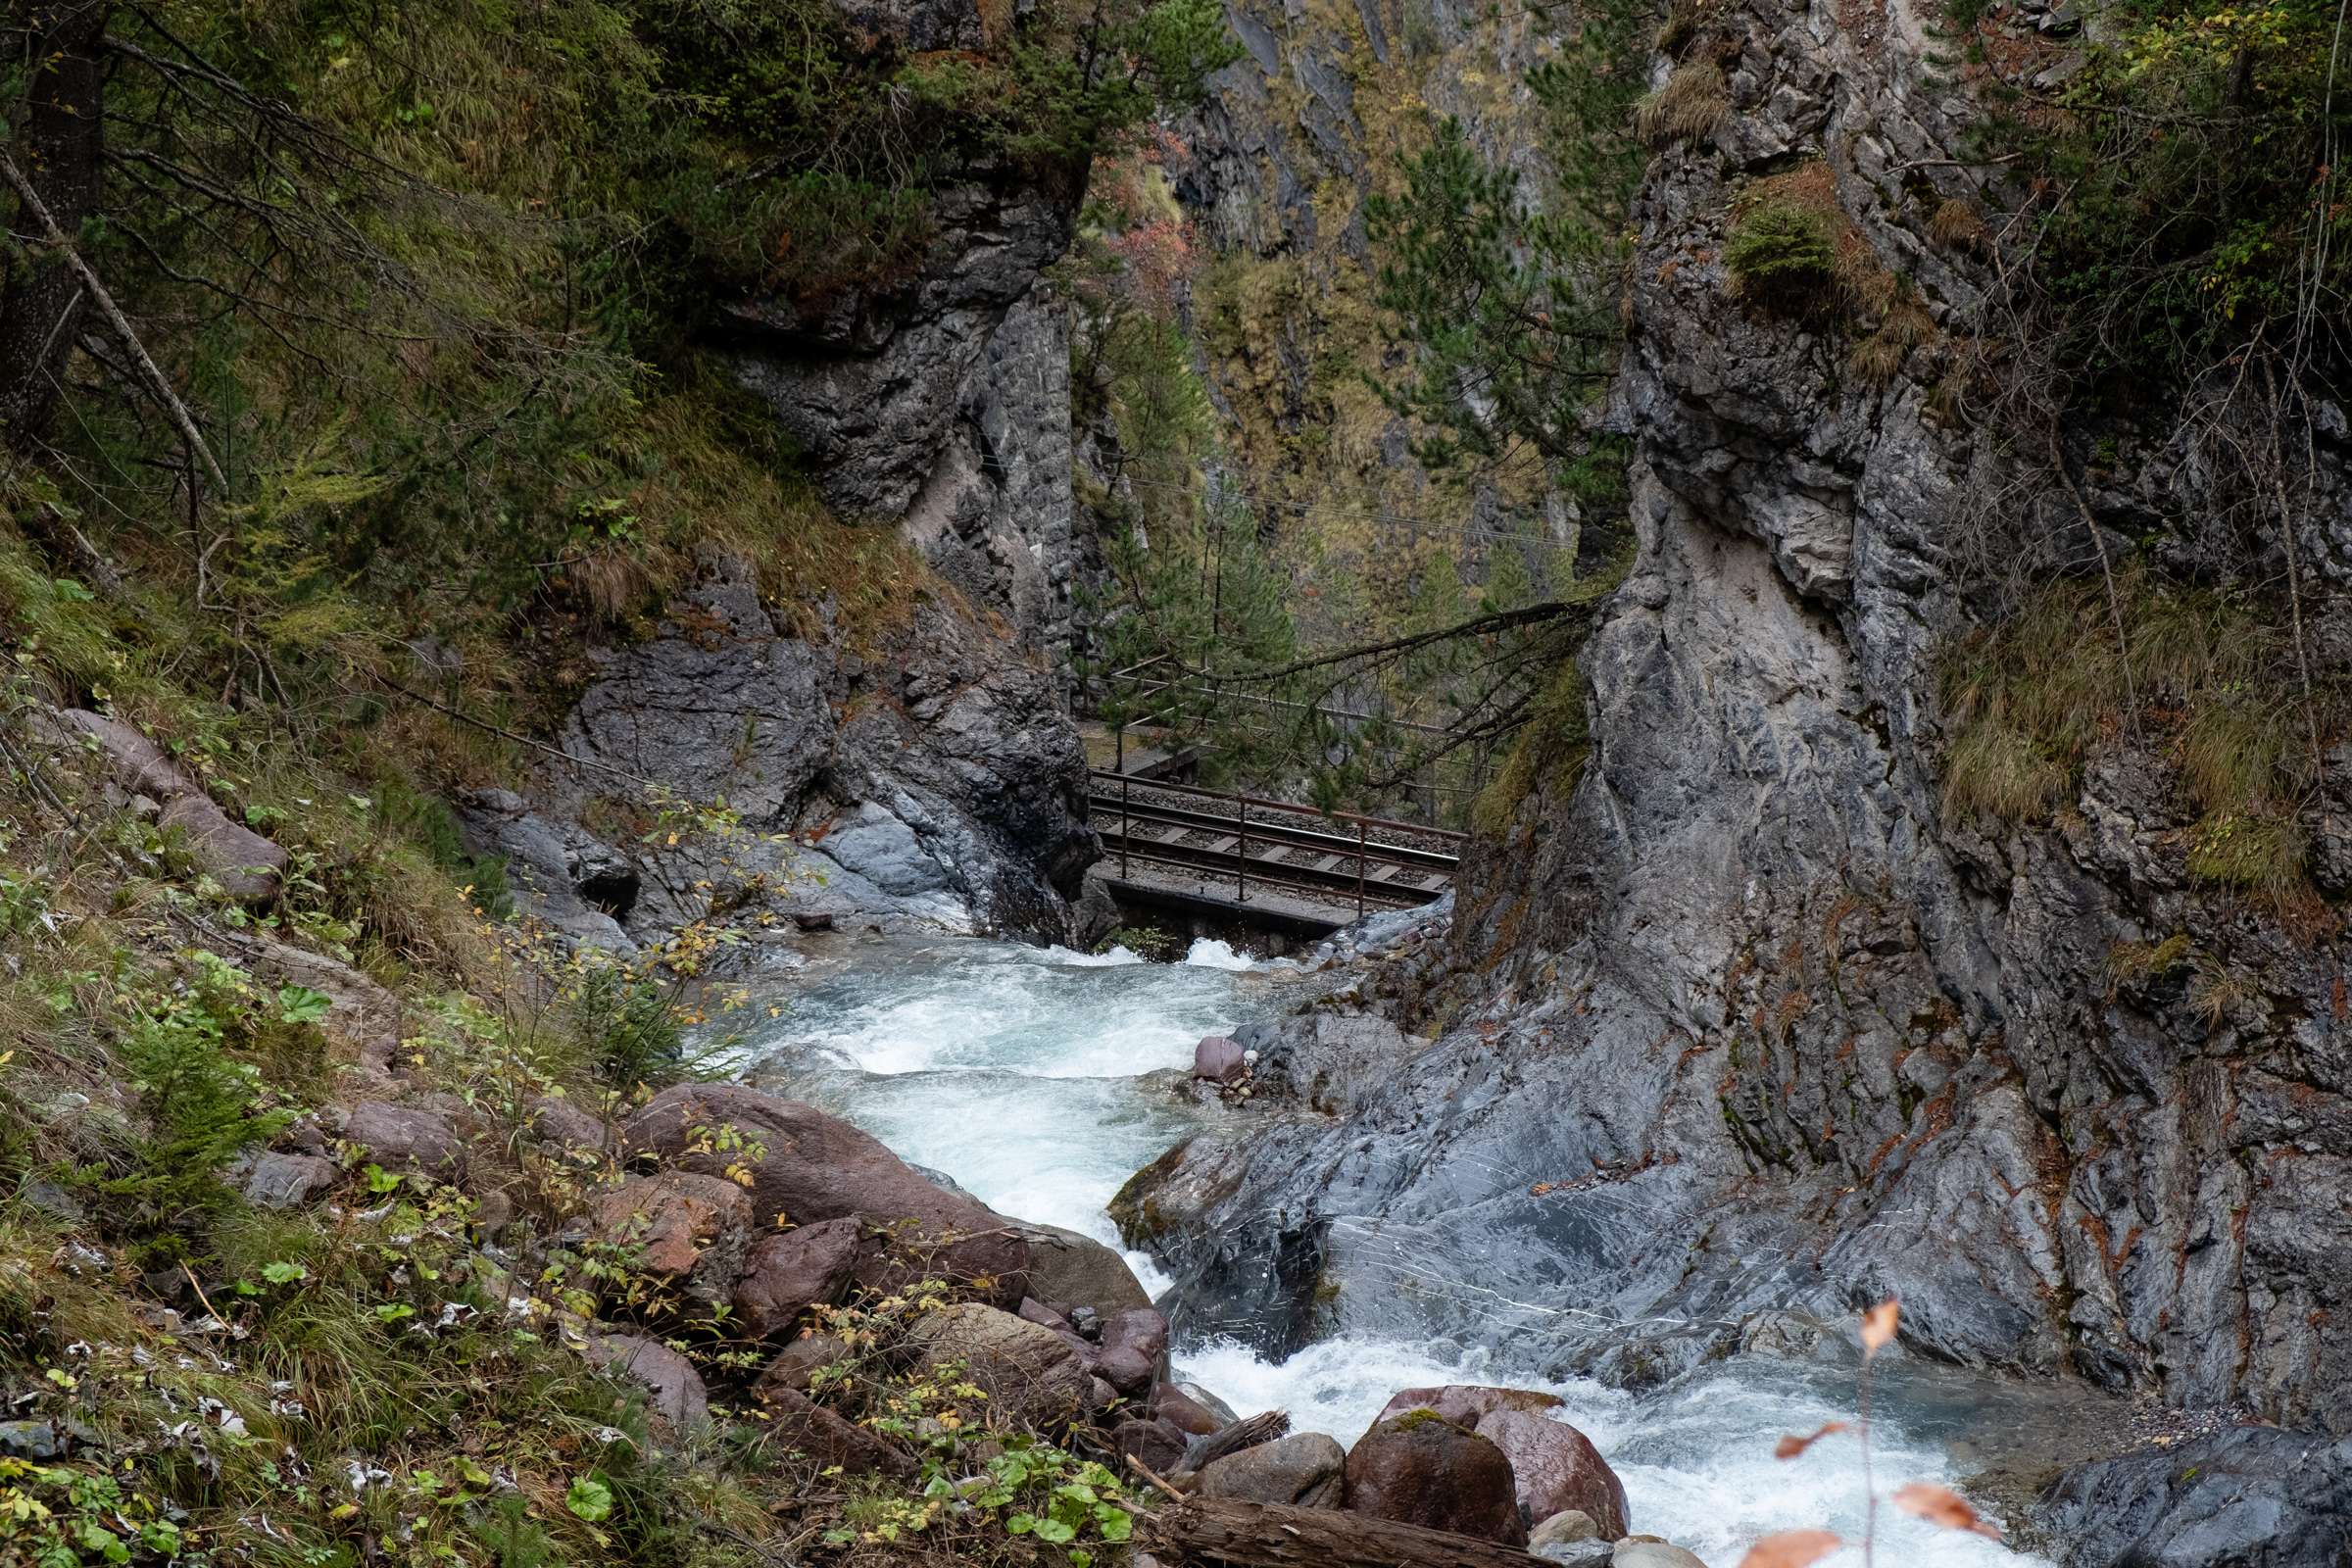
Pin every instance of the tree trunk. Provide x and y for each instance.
(59, 145)
(1272, 1535)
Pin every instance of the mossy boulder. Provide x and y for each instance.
(1421, 1469)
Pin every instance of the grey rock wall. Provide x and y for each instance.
(941, 407)
(1748, 1032)
(736, 763)
(931, 781)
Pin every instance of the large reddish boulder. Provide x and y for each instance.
(1463, 1403)
(805, 1166)
(786, 1275)
(1421, 1469)
(680, 1226)
(1558, 1468)
(804, 1426)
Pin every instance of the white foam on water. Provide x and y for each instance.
(1697, 1464)
(1011, 1070)
(1039, 1012)
(1336, 1386)
(1116, 958)
(1208, 952)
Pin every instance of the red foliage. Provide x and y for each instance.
(1158, 258)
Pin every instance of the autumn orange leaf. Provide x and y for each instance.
(1790, 1549)
(1941, 1506)
(1789, 1447)
(1878, 1327)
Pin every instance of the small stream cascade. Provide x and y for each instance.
(1038, 1079)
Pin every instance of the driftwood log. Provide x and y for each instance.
(1273, 1535)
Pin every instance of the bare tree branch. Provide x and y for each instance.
(158, 383)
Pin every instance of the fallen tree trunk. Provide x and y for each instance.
(1273, 1535)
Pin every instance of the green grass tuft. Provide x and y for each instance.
(2204, 681)
(1783, 256)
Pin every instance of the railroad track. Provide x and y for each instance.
(1272, 845)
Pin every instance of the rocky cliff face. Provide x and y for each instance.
(925, 775)
(941, 405)
(1745, 1028)
(932, 780)
(1313, 120)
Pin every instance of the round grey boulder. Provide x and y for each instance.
(1304, 1469)
(1653, 1555)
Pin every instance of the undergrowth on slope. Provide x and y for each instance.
(2173, 249)
(405, 1372)
(2205, 678)
(2183, 198)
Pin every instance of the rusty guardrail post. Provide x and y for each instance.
(1360, 869)
(1241, 865)
(1123, 834)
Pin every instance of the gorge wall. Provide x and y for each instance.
(922, 773)
(1744, 1023)
(1276, 169)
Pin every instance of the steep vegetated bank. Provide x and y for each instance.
(404, 369)
(436, 626)
(1936, 889)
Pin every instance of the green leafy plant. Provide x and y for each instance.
(202, 1100)
(589, 1497)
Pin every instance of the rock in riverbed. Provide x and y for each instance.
(807, 1166)
(1305, 1468)
(1421, 1469)
(1555, 1467)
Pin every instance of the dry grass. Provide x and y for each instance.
(2134, 964)
(2202, 682)
(2217, 991)
(1958, 225)
(713, 490)
(1907, 325)
(1695, 103)
(2002, 772)
(2260, 856)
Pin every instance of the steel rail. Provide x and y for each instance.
(1266, 833)
(1103, 777)
(1374, 895)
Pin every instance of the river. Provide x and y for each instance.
(1014, 1070)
